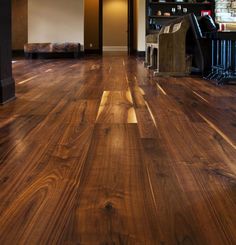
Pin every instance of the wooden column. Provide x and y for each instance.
(7, 83)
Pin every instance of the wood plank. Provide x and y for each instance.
(98, 151)
(41, 201)
(116, 107)
(112, 206)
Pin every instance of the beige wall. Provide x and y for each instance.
(19, 24)
(91, 29)
(56, 21)
(115, 16)
(91, 24)
(63, 20)
(141, 24)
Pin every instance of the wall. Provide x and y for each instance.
(19, 24)
(225, 12)
(115, 23)
(141, 5)
(60, 20)
(56, 21)
(91, 24)
(91, 28)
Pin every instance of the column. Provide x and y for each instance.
(7, 83)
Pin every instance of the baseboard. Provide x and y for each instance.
(140, 53)
(7, 101)
(171, 74)
(81, 54)
(64, 55)
(92, 51)
(18, 53)
(115, 48)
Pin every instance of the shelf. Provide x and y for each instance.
(152, 8)
(164, 17)
(181, 3)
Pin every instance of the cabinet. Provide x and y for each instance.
(157, 11)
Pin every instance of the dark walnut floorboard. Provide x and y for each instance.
(98, 151)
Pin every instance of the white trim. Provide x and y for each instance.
(115, 48)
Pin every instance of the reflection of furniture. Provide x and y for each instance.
(48, 50)
(176, 9)
(223, 56)
(168, 55)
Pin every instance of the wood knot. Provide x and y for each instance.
(109, 206)
(4, 180)
(107, 130)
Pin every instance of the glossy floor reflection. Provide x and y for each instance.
(97, 151)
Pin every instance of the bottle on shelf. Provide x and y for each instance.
(179, 10)
(149, 11)
(173, 10)
(185, 10)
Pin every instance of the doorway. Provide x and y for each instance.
(116, 25)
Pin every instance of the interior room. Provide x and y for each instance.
(118, 122)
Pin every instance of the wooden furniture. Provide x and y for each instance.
(52, 50)
(154, 22)
(196, 54)
(223, 56)
(168, 55)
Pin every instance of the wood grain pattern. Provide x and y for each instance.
(116, 107)
(98, 151)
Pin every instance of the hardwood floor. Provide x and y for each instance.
(97, 151)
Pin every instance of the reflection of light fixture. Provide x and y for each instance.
(233, 5)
